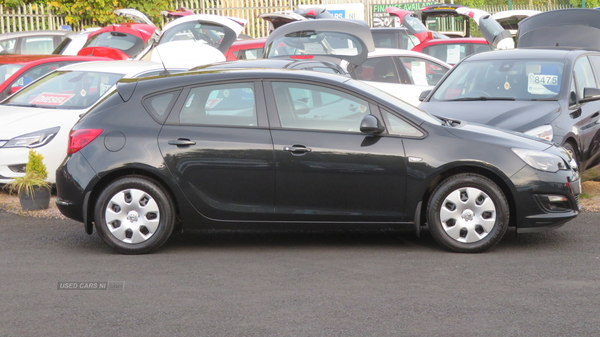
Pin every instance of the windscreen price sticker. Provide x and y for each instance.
(46, 98)
(543, 79)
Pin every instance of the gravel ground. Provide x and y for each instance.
(10, 203)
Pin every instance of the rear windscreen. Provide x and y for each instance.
(314, 43)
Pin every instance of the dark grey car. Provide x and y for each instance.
(549, 87)
(553, 94)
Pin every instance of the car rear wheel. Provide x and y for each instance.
(468, 213)
(134, 215)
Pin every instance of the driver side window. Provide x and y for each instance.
(584, 76)
(313, 107)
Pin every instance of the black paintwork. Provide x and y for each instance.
(578, 123)
(243, 177)
(567, 28)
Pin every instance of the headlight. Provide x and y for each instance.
(541, 160)
(34, 139)
(543, 132)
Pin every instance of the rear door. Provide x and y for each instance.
(217, 145)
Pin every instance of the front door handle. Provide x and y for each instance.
(182, 142)
(297, 149)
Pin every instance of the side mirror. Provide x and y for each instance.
(591, 93)
(371, 125)
(424, 95)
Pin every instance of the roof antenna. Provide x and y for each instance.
(165, 71)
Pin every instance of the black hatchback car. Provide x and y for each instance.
(295, 149)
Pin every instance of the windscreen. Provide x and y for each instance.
(65, 90)
(502, 79)
(315, 43)
(127, 43)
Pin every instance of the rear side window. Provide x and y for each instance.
(159, 105)
(449, 53)
(231, 104)
(37, 45)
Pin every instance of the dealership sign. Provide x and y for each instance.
(382, 19)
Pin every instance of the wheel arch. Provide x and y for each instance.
(155, 177)
(483, 171)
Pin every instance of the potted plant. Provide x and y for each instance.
(32, 188)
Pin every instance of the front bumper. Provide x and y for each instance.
(545, 201)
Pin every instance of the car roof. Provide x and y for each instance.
(115, 67)
(44, 58)
(260, 42)
(13, 35)
(402, 52)
(255, 73)
(476, 40)
(527, 53)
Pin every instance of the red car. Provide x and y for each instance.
(452, 50)
(246, 49)
(120, 41)
(19, 70)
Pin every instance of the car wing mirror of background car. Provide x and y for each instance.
(371, 125)
(424, 95)
(590, 94)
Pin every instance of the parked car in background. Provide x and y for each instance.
(394, 37)
(540, 89)
(404, 74)
(272, 148)
(41, 115)
(453, 50)
(249, 49)
(194, 40)
(509, 20)
(120, 41)
(73, 42)
(20, 70)
(31, 42)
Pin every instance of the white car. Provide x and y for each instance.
(402, 73)
(41, 115)
(349, 44)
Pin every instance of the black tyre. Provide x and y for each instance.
(572, 149)
(468, 213)
(134, 215)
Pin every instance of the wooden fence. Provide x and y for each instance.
(41, 17)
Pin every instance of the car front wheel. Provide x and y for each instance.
(468, 213)
(134, 215)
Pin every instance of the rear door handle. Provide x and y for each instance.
(182, 142)
(296, 149)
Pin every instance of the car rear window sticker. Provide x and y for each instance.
(453, 54)
(419, 73)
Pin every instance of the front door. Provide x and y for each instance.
(327, 170)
